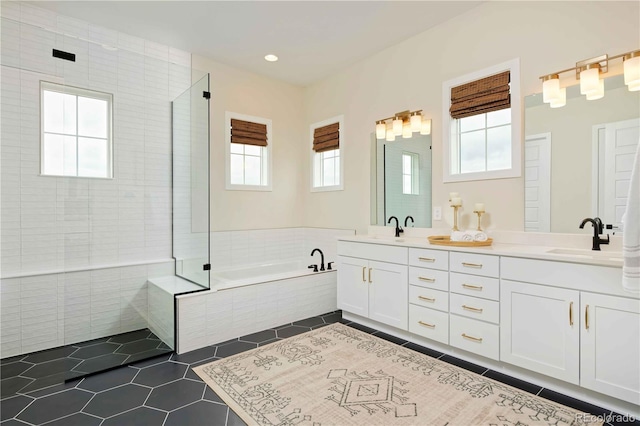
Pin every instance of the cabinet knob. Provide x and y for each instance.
(472, 287)
(472, 309)
(427, 299)
(427, 324)
(429, 280)
(475, 339)
(472, 265)
(426, 259)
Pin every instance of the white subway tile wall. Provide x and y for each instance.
(238, 248)
(55, 224)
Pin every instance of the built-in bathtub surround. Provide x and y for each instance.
(77, 252)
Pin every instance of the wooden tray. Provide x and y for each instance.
(445, 240)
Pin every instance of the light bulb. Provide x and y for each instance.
(416, 122)
(561, 100)
(632, 69)
(596, 94)
(589, 79)
(425, 126)
(406, 131)
(381, 130)
(550, 88)
(397, 126)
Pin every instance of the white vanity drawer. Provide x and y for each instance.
(474, 307)
(474, 285)
(436, 259)
(428, 323)
(477, 264)
(431, 278)
(429, 298)
(379, 252)
(474, 336)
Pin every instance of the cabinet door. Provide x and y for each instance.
(353, 285)
(389, 294)
(610, 349)
(539, 329)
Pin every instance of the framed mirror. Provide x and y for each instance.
(401, 180)
(578, 158)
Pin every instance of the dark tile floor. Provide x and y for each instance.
(31, 372)
(164, 391)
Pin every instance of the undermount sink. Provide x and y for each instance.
(588, 254)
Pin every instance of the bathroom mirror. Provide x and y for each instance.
(401, 180)
(578, 158)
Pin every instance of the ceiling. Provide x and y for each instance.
(312, 38)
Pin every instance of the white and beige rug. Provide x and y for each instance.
(337, 375)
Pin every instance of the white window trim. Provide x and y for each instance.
(228, 115)
(86, 93)
(513, 66)
(340, 187)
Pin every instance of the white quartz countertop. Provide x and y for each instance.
(604, 257)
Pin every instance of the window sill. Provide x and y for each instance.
(262, 188)
(76, 177)
(327, 188)
(496, 174)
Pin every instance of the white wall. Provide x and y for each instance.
(77, 252)
(546, 36)
(247, 93)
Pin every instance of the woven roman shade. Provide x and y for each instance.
(248, 133)
(481, 96)
(326, 138)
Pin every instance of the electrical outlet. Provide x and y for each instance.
(437, 213)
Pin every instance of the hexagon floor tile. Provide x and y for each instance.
(184, 401)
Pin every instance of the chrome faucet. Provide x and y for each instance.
(406, 219)
(598, 228)
(321, 258)
(399, 230)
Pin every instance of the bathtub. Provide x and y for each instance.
(256, 274)
(245, 300)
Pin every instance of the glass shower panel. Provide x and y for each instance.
(191, 183)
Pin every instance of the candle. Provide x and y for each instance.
(479, 207)
(456, 201)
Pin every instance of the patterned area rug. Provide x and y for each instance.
(337, 375)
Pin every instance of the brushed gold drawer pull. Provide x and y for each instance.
(370, 275)
(429, 280)
(426, 259)
(364, 268)
(586, 317)
(472, 265)
(475, 339)
(571, 313)
(471, 308)
(472, 287)
(427, 299)
(426, 324)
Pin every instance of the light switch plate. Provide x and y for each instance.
(437, 213)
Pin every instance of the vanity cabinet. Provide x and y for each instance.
(540, 329)
(371, 288)
(610, 345)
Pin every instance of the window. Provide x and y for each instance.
(248, 152)
(410, 173)
(482, 112)
(326, 147)
(75, 132)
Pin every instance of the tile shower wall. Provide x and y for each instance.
(235, 248)
(68, 243)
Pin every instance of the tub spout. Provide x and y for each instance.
(321, 257)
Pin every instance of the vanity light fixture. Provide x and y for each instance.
(403, 124)
(589, 73)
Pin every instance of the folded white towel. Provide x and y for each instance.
(479, 236)
(631, 232)
(457, 236)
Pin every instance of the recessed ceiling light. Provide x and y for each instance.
(271, 58)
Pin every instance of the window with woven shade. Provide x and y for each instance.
(326, 144)
(483, 115)
(248, 152)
